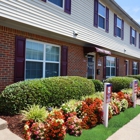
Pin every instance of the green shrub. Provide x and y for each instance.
(98, 85)
(35, 112)
(44, 92)
(135, 76)
(119, 83)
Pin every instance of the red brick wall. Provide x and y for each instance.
(76, 59)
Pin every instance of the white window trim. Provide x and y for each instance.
(44, 56)
(111, 67)
(102, 16)
(62, 8)
(119, 27)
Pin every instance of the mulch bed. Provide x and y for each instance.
(15, 124)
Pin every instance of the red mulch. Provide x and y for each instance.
(15, 124)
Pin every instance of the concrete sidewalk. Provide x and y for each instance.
(130, 131)
(5, 133)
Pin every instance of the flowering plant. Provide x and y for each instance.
(73, 125)
(55, 128)
(34, 130)
(124, 104)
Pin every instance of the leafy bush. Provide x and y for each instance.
(98, 85)
(34, 112)
(44, 92)
(135, 76)
(119, 83)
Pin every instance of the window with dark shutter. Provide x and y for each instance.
(107, 19)
(44, 0)
(104, 67)
(67, 7)
(115, 25)
(117, 66)
(19, 59)
(96, 13)
(122, 37)
(64, 60)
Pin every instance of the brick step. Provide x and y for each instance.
(3, 124)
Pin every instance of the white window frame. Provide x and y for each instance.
(44, 57)
(119, 27)
(133, 36)
(110, 66)
(56, 4)
(135, 68)
(102, 16)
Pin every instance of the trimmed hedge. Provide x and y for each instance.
(45, 92)
(135, 76)
(98, 85)
(119, 83)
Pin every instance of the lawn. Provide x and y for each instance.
(101, 133)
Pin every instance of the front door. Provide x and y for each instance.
(90, 67)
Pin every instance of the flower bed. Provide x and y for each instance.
(74, 116)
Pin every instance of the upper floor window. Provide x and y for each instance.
(101, 16)
(59, 3)
(118, 27)
(133, 36)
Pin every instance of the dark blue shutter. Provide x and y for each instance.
(130, 35)
(107, 19)
(117, 66)
(44, 0)
(19, 59)
(135, 37)
(67, 7)
(115, 25)
(122, 33)
(138, 68)
(96, 13)
(139, 41)
(104, 67)
(64, 60)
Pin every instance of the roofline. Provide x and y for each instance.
(122, 10)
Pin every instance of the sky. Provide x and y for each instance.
(132, 7)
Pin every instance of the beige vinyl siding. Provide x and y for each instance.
(52, 18)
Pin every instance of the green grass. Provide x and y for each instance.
(101, 133)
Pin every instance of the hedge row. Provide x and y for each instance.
(45, 92)
(119, 83)
(135, 76)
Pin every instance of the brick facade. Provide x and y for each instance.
(77, 62)
(76, 59)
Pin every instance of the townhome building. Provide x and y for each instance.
(96, 39)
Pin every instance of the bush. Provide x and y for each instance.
(44, 92)
(135, 76)
(98, 85)
(35, 112)
(119, 83)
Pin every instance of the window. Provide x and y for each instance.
(135, 68)
(110, 66)
(42, 60)
(119, 27)
(133, 37)
(101, 16)
(57, 2)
